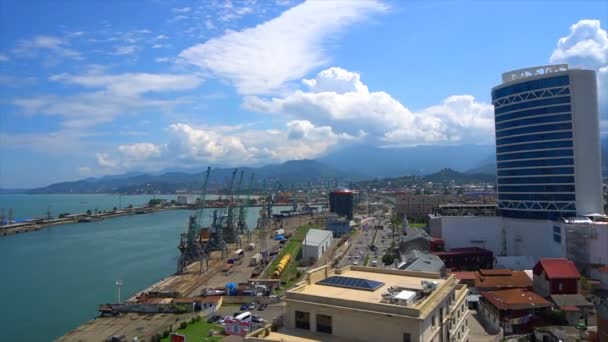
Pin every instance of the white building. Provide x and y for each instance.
(184, 200)
(549, 181)
(548, 143)
(581, 239)
(316, 243)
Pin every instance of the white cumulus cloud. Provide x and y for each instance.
(261, 59)
(338, 98)
(587, 46)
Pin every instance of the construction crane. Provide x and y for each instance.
(242, 221)
(294, 199)
(265, 219)
(230, 232)
(191, 245)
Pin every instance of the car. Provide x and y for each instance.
(355, 263)
(256, 319)
(262, 307)
(214, 318)
(244, 307)
(252, 306)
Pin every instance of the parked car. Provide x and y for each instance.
(214, 318)
(257, 319)
(262, 307)
(244, 307)
(251, 306)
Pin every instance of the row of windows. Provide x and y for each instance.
(533, 103)
(531, 85)
(533, 146)
(534, 129)
(535, 188)
(534, 120)
(536, 197)
(536, 154)
(532, 172)
(535, 137)
(532, 112)
(538, 162)
(537, 180)
(536, 215)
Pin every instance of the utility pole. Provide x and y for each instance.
(119, 284)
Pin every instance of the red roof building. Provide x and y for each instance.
(500, 279)
(556, 276)
(467, 259)
(512, 310)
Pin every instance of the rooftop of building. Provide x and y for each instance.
(465, 275)
(502, 279)
(422, 262)
(379, 287)
(557, 268)
(570, 300)
(515, 299)
(314, 237)
(537, 71)
(464, 250)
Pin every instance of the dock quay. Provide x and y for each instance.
(185, 289)
(37, 224)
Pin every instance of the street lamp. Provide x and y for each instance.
(119, 284)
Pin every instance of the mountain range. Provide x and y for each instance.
(351, 164)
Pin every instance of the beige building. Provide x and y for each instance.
(417, 207)
(373, 304)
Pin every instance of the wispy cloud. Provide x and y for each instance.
(55, 45)
(261, 59)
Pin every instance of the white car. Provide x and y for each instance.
(355, 263)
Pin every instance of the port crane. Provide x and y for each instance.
(265, 220)
(242, 220)
(191, 245)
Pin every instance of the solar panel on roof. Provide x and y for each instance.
(351, 283)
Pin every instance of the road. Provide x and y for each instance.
(361, 248)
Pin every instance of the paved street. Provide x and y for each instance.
(365, 239)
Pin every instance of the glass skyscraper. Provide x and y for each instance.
(547, 143)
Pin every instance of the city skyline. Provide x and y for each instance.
(245, 83)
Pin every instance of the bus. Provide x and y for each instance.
(244, 317)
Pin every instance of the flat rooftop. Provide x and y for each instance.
(371, 298)
(365, 296)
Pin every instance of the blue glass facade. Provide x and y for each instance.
(534, 148)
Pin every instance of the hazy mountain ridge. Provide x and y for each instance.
(296, 171)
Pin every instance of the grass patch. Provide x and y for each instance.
(293, 247)
(198, 331)
(417, 224)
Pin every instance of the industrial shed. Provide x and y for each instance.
(316, 243)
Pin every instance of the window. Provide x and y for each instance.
(562, 152)
(302, 320)
(535, 171)
(532, 104)
(535, 129)
(533, 112)
(557, 234)
(407, 337)
(324, 324)
(533, 120)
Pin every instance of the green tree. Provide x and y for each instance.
(388, 259)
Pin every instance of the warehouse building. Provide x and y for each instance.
(315, 244)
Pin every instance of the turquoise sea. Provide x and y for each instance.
(53, 280)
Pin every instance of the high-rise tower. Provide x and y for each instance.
(547, 143)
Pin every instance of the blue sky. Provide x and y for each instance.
(94, 88)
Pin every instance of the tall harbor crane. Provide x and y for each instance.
(242, 221)
(265, 220)
(191, 246)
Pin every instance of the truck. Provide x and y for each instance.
(279, 232)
